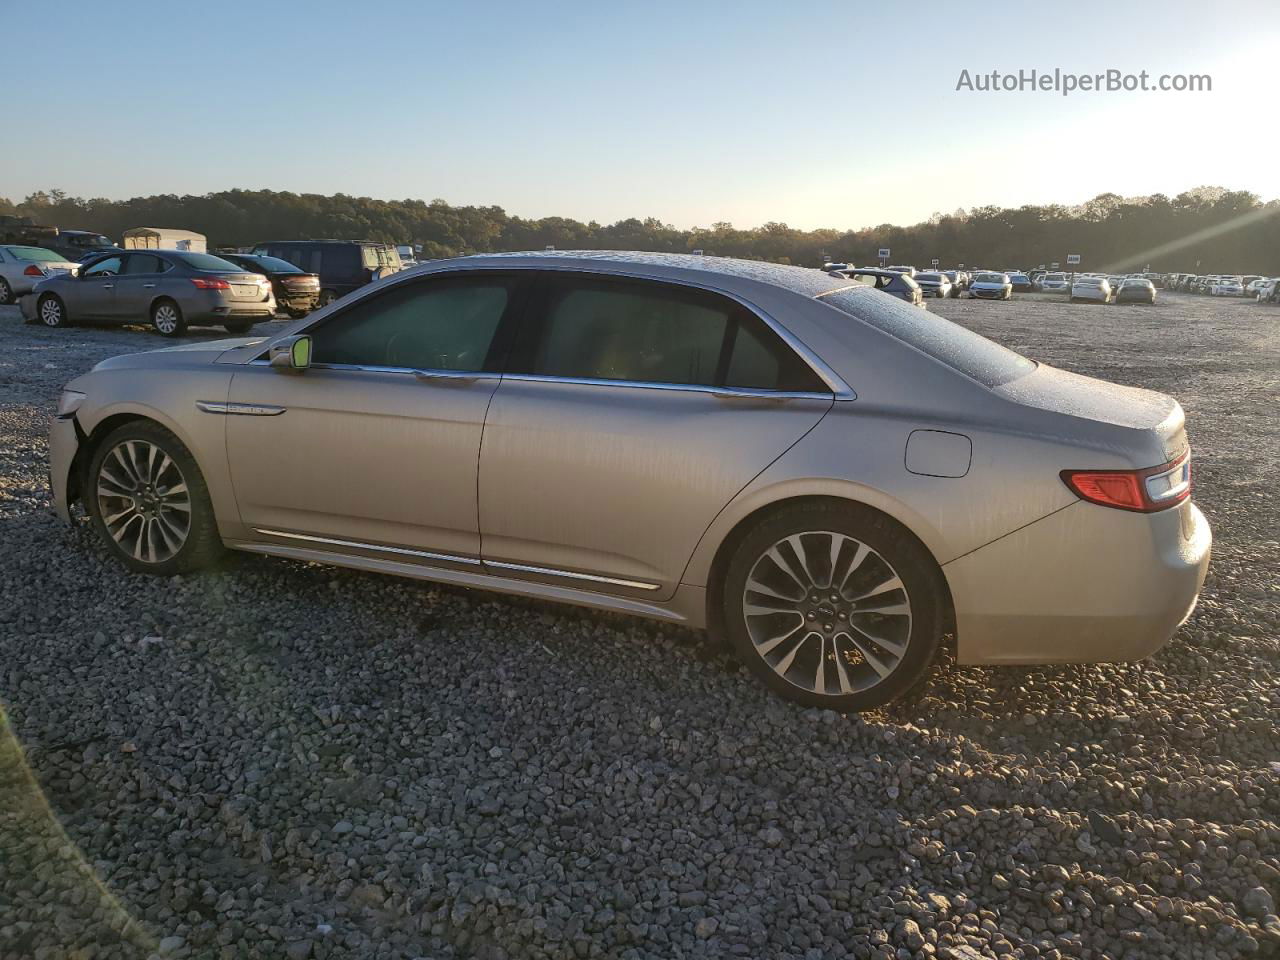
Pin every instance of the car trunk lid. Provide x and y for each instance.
(1147, 425)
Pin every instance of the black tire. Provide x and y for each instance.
(326, 297)
(889, 545)
(202, 545)
(243, 327)
(297, 314)
(6, 292)
(167, 319)
(51, 311)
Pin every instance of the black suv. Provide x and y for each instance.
(342, 265)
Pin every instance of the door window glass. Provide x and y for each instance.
(104, 268)
(441, 325)
(143, 263)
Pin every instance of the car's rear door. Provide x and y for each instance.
(373, 449)
(614, 439)
(137, 286)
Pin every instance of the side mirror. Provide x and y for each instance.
(291, 353)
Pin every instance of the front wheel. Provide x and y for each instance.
(834, 606)
(326, 297)
(166, 317)
(244, 326)
(148, 501)
(6, 292)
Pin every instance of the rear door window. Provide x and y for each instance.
(143, 263)
(637, 331)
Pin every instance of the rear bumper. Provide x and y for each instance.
(1085, 584)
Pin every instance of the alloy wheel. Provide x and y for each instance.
(165, 318)
(51, 312)
(827, 613)
(144, 501)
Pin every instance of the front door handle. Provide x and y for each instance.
(148, 286)
(108, 286)
(447, 376)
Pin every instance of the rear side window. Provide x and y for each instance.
(443, 324)
(339, 261)
(646, 332)
(970, 353)
(144, 263)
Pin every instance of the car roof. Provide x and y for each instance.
(727, 272)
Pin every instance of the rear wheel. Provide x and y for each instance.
(52, 311)
(243, 326)
(326, 297)
(148, 501)
(834, 606)
(6, 292)
(166, 317)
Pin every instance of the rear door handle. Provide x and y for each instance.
(108, 286)
(148, 286)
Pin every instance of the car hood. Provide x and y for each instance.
(185, 355)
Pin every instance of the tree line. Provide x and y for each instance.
(1205, 230)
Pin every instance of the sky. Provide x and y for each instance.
(816, 115)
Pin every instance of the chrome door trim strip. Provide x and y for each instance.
(593, 578)
(377, 547)
(451, 558)
(240, 409)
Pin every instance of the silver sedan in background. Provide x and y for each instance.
(22, 267)
(171, 289)
(835, 482)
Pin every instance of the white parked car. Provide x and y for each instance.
(991, 286)
(1097, 289)
(1055, 283)
(1227, 287)
(1254, 287)
(21, 268)
(934, 284)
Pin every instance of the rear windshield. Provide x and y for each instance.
(36, 255)
(204, 261)
(276, 265)
(928, 277)
(959, 348)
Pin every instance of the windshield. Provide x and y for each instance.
(958, 347)
(90, 240)
(1055, 276)
(929, 277)
(36, 255)
(991, 278)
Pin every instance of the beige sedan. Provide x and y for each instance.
(832, 480)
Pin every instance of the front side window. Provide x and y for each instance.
(104, 268)
(646, 332)
(441, 324)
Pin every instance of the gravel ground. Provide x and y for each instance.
(282, 760)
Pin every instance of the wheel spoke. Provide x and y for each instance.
(892, 646)
(859, 557)
(881, 668)
(784, 664)
(893, 583)
(770, 645)
(784, 565)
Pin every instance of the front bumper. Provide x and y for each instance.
(1085, 584)
(988, 294)
(64, 443)
(27, 305)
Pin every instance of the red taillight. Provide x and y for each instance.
(33, 271)
(210, 283)
(1142, 491)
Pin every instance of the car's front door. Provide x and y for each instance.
(137, 286)
(373, 449)
(616, 435)
(92, 295)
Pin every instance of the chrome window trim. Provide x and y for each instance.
(840, 390)
(722, 392)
